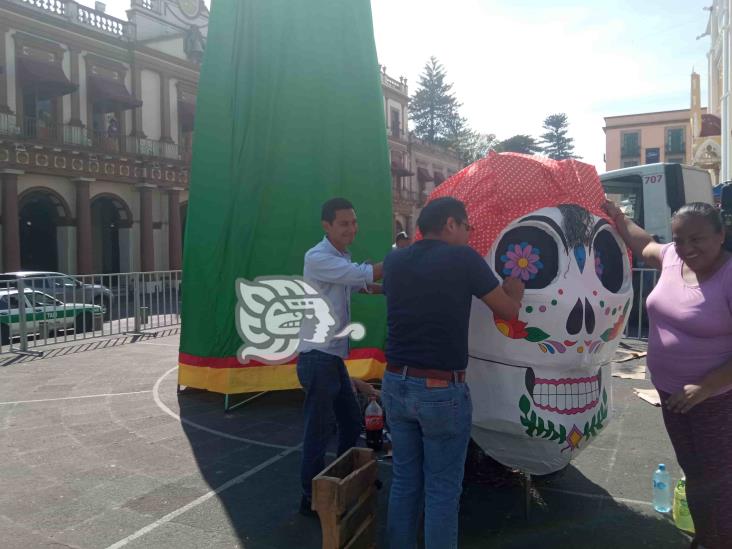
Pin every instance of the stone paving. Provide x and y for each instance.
(98, 450)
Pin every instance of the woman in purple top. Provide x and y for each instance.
(690, 356)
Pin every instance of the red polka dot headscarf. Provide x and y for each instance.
(502, 187)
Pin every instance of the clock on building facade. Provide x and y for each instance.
(190, 8)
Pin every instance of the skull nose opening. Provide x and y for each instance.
(589, 317)
(580, 314)
(574, 320)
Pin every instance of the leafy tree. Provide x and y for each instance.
(520, 143)
(554, 142)
(476, 146)
(434, 109)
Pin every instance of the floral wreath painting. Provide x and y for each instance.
(517, 329)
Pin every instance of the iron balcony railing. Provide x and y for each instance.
(83, 16)
(149, 147)
(9, 125)
(37, 129)
(42, 131)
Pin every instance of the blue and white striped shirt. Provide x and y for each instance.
(335, 276)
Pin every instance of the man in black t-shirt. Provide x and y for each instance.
(429, 288)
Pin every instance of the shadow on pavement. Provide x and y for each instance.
(262, 509)
(568, 510)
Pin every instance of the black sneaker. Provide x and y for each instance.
(306, 507)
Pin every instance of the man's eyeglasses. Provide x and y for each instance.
(468, 226)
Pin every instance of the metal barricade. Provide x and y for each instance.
(38, 311)
(61, 309)
(644, 280)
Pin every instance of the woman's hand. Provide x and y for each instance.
(612, 210)
(687, 398)
(638, 240)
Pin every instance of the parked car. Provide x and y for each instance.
(61, 286)
(42, 308)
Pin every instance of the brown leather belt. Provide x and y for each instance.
(457, 376)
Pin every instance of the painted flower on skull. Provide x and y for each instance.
(522, 261)
(515, 329)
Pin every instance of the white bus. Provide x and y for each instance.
(651, 193)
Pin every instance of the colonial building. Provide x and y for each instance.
(712, 144)
(96, 119)
(706, 129)
(647, 138)
(416, 167)
(96, 129)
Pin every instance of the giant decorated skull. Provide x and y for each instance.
(541, 383)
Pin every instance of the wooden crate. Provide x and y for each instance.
(344, 495)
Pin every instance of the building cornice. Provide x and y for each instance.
(43, 28)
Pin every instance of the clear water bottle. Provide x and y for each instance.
(662, 490)
(374, 425)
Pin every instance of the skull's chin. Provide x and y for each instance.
(567, 396)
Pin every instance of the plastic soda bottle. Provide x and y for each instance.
(661, 490)
(374, 417)
(681, 514)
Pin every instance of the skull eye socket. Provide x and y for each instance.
(609, 264)
(530, 254)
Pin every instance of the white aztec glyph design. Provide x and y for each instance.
(274, 314)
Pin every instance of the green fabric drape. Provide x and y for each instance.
(289, 114)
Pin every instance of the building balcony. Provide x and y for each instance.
(394, 84)
(40, 131)
(8, 125)
(406, 195)
(83, 16)
(37, 131)
(150, 147)
(630, 151)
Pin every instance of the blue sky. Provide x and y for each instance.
(513, 63)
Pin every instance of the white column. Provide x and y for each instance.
(724, 172)
(126, 240)
(66, 248)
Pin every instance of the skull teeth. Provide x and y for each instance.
(566, 398)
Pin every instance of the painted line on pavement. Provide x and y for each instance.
(595, 496)
(286, 451)
(73, 398)
(171, 413)
(158, 344)
(196, 502)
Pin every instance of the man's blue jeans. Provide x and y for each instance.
(430, 430)
(329, 400)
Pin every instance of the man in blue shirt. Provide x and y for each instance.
(329, 398)
(429, 288)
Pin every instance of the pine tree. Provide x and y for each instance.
(555, 143)
(520, 143)
(433, 108)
